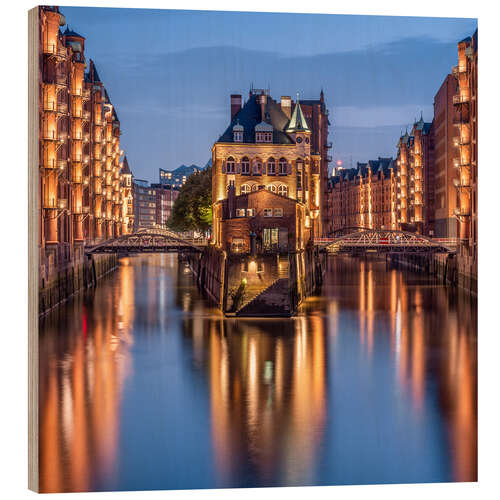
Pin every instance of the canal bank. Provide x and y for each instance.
(454, 270)
(258, 285)
(65, 273)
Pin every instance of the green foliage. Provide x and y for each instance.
(192, 209)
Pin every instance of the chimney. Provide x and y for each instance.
(286, 105)
(231, 200)
(263, 101)
(235, 105)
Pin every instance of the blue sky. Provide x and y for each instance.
(170, 73)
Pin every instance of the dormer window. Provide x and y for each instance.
(238, 132)
(264, 132)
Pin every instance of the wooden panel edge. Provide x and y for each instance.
(33, 221)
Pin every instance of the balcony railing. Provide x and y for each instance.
(49, 163)
(77, 179)
(63, 203)
(76, 113)
(62, 108)
(461, 212)
(86, 209)
(62, 164)
(461, 184)
(50, 135)
(62, 80)
(50, 203)
(459, 99)
(458, 69)
(86, 115)
(77, 136)
(49, 105)
(77, 158)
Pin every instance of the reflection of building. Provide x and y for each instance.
(278, 147)
(364, 196)
(268, 399)
(80, 398)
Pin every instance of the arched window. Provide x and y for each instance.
(271, 188)
(283, 190)
(257, 167)
(245, 188)
(230, 165)
(245, 166)
(254, 187)
(271, 166)
(282, 166)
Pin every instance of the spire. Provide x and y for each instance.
(125, 168)
(298, 121)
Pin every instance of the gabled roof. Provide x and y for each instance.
(250, 116)
(298, 121)
(92, 76)
(70, 32)
(126, 168)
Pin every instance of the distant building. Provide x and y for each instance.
(178, 177)
(144, 205)
(165, 199)
(365, 196)
(416, 179)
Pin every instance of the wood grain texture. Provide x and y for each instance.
(33, 229)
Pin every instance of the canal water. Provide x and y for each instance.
(144, 385)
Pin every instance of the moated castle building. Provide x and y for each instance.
(269, 174)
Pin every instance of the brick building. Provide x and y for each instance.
(445, 147)
(365, 196)
(165, 199)
(84, 190)
(415, 167)
(275, 147)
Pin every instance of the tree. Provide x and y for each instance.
(192, 209)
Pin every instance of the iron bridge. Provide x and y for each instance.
(147, 241)
(361, 240)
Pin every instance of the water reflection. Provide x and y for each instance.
(144, 385)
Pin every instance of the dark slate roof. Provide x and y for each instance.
(92, 76)
(70, 32)
(125, 168)
(250, 115)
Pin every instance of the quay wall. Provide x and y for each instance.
(58, 282)
(454, 270)
(228, 278)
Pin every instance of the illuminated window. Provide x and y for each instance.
(250, 212)
(272, 188)
(268, 212)
(278, 212)
(283, 190)
(230, 165)
(257, 167)
(282, 165)
(245, 189)
(245, 166)
(271, 166)
(240, 212)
